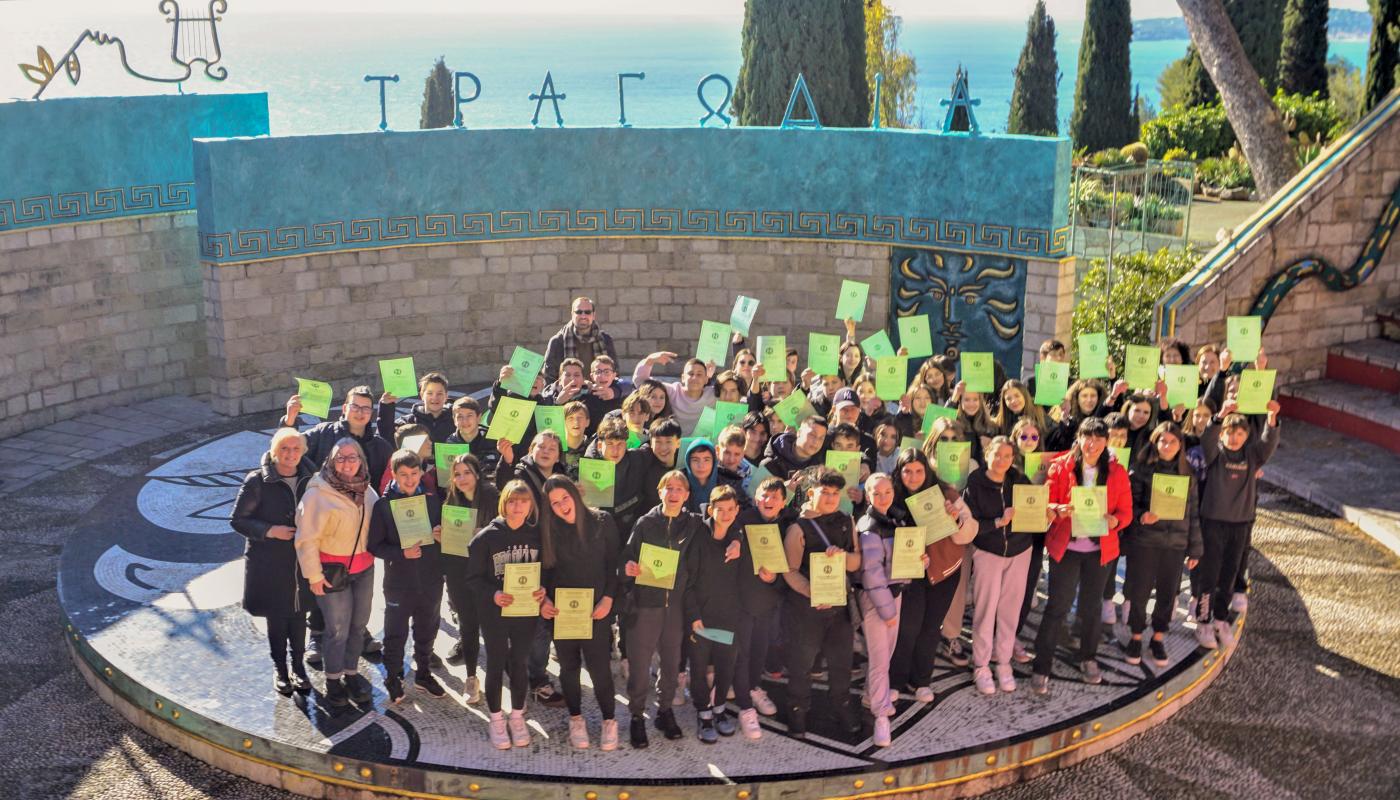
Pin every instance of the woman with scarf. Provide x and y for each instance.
(332, 527)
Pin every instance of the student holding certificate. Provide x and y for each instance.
(403, 518)
(582, 551)
(712, 613)
(761, 596)
(1166, 532)
(468, 491)
(512, 538)
(816, 623)
(1031, 459)
(1077, 563)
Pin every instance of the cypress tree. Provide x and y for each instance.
(1033, 101)
(1103, 113)
(822, 39)
(1383, 60)
(1302, 65)
(438, 109)
(1259, 24)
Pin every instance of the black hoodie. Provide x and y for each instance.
(757, 596)
(439, 427)
(675, 533)
(713, 593)
(422, 574)
(782, 458)
(491, 549)
(988, 500)
(592, 562)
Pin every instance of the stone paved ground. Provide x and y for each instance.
(1309, 706)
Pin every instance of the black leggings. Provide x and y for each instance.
(921, 614)
(704, 653)
(1032, 579)
(283, 632)
(751, 639)
(596, 653)
(468, 628)
(508, 641)
(1152, 568)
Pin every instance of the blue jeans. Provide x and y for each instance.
(346, 613)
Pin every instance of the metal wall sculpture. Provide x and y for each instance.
(975, 302)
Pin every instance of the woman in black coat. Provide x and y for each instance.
(273, 588)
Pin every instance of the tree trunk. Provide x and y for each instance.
(1251, 113)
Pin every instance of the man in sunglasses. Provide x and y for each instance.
(580, 338)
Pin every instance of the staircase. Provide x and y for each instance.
(1358, 397)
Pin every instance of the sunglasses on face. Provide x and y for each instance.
(1026, 437)
(583, 312)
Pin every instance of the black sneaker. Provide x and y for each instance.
(548, 696)
(358, 689)
(797, 724)
(1158, 649)
(726, 724)
(301, 684)
(455, 657)
(639, 734)
(394, 686)
(336, 696)
(666, 723)
(847, 717)
(706, 730)
(373, 647)
(1134, 651)
(281, 683)
(435, 661)
(426, 682)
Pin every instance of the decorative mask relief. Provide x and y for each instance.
(974, 302)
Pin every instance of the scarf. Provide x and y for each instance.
(572, 340)
(353, 488)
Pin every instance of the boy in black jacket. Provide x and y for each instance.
(466, 422)
(712, 600)
(433, 413)
(761, 595)
(412, 580)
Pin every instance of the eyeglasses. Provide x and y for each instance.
(583, 312)
(1029, 438)
(603, 371)
(746, 363)
(347, 459)
(359, 409)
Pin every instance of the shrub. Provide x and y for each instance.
(1226, 173)
(1177, 154)
(1139, 280)
(1202, 130)
(1107, 159)
(1316, 116)
(1135, 152)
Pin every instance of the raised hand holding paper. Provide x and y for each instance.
(1093, 355)
(575, 620)
(793, 409)
(851, 303)
(597, 478)
(458, 528)
(1030, 502)
(1242, 336)
(891, 377)
(824, 353)
(713, 346)
(526, 365)
(877, 345)
(772, 356)
(727, 413)
(412, 521)
(444, 455)
(705, 425)
(934, 413)
(1256, 390)
(511, 419)
(1051, 382)
(1090, 504)
(1169, 495)
(1183, 385)
(978, 372)
(658, 566)
(1140, 366)
(953, 460)
(315, 397)
(521, 581)
(550, 418)
(399, 378)
(826, 579)
(915, 337)
(742, 316)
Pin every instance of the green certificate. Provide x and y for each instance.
(978, 372)
(1242, 335)
(443, 456)
(521, 582)
(705, 425)
(550, 418)
(1030, 502)
(1140, 366)
(1093, 355)
(1124, 455)
(877, 345)
(412, 521)
(851, 303)
(1090, 504)
(793, 409)
(906, 557)
(847, 464)
(953, 462)
(772, 356)
(634, 440)
(824, 353)
(713, 347)
(597, 477)
(719, 635)
(658, 566)
(1256, 390)
(458, 528)
(766, 548)
(399, 378)
(891, 377)
(914, 334)
(906, 442)
(742, 316)
(930, 515)
(758, 474)
(934, 413)
(527, 365)
(575, 620)
(315, 397)
(1051, 382)
(1169, 494)
(826, 577)
(1033, 462)
(511, 419)
(727, 413)
(1183, 385)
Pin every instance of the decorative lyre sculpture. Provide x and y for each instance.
(193, 40)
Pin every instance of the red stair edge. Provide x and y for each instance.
(1340, 421)
(1341, 367)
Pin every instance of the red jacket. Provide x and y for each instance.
(1061, 478)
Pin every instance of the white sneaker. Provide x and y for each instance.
(682, 681)
(1020, 655)
(608, 741)
(1239, 602)
(578, 733)
(1110, 613)
(519, 734)
(1224, 634)
(471, 690)
(748, 723)
(1006, 679)
(882, 732)
(500, 739)
(982, 676)
(1205, 635)
(894, 696)
(762, 702)
(923, 694)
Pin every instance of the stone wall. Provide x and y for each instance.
(463, 308)
(1049, 308)
(98, 314)
(1331, 219)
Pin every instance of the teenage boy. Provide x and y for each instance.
(569, 386)
(1050, 350)
(690, 395)
(412, 579)
(466, 420)
(574, 435)
(789, 453)
(712, 601)
(760, 596)
(432, 413)
(640, 471)
(733, 467)
(606, 391)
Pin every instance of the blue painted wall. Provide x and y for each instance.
(91, 158)
(270, 198)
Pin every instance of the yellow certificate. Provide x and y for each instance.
(1030, 502)
(1169, 495)
(1090, 505)
(826, 576)
(906, 561)
(658, 566)
(575, 620)
(929, 514)
(412, 521)
(521, 582)
(766, 548)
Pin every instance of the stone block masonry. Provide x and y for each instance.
(463, 308)
(98, 314)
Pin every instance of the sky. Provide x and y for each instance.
(14, 10)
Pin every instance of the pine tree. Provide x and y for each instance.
(1259, 24)
(822, 39)
(1383, 60)
(1033, 101)
(1103, 113)
(438, 106)
(1302, 65)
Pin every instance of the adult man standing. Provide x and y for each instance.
(580, 338)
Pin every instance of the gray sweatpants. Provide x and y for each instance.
(651, 631)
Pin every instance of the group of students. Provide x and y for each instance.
(682, 568)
